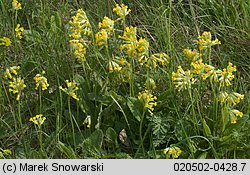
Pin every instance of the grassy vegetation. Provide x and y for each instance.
(95, 87)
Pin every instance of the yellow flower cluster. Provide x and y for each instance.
(227, 75)
(19, 31)
(114, 67)
(16, 5)
(106, 29)
(211, 72)
(182, 79)
(232, 98)
(70, 89)
(107, 24)
(233, 114)
(205, 40)
(5, 41)
(191, 54)
(41, 81)
(81, 30)
(215, 75)
(172, 151)
(156, 59)
(129, 41)
(148, 99)
(198, 67)
(16, 84)
(10, 72)
(122, 11)
(142, 47)
(38, 120)
(101, 38)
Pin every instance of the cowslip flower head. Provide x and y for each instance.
(129, 41)
(10, 72)
(114, 67)
(148, 100)
(142, 47)
(77, 45)
(107, 24)
(70, 89)
(16, 5)
(41, 81)
(121, 10)
(16, 86)
(226, 75)
(205, 40)
(192, 55)
(101, 38)
(5, 41)
(231, 99)
(182, 79)
(38, 120)
(198, 67)
(80, 24)
(172, 151)
(233, 114)
(19, 31)
(212, 73)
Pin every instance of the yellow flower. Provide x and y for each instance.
(121, 10)
(172, 151)
(107, 24)
(191, 54)
(38, 119)
(129, 41)
(182, 79)
(158, 58)
(16, 86)
(10, 72)
(101, 38)
(148, 100)
(16, 5)
(233, 114)
(81, 31)
(78, 48)
(19, 31)
(232, 98)
(212, 73)
(226, 75)
(80, 24)
(205, 41)
(5, 41)
(41, 81)
(87, 121)
(114, 67)
(198, 67)
(142, 50)
(70, 89)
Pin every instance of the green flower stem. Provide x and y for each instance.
(40, 100)
(40, 138)
(193, 112)
(19, 115)
(72, 123)
(131, 78)
(141, 138)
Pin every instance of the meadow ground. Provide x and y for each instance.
(124, 79)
